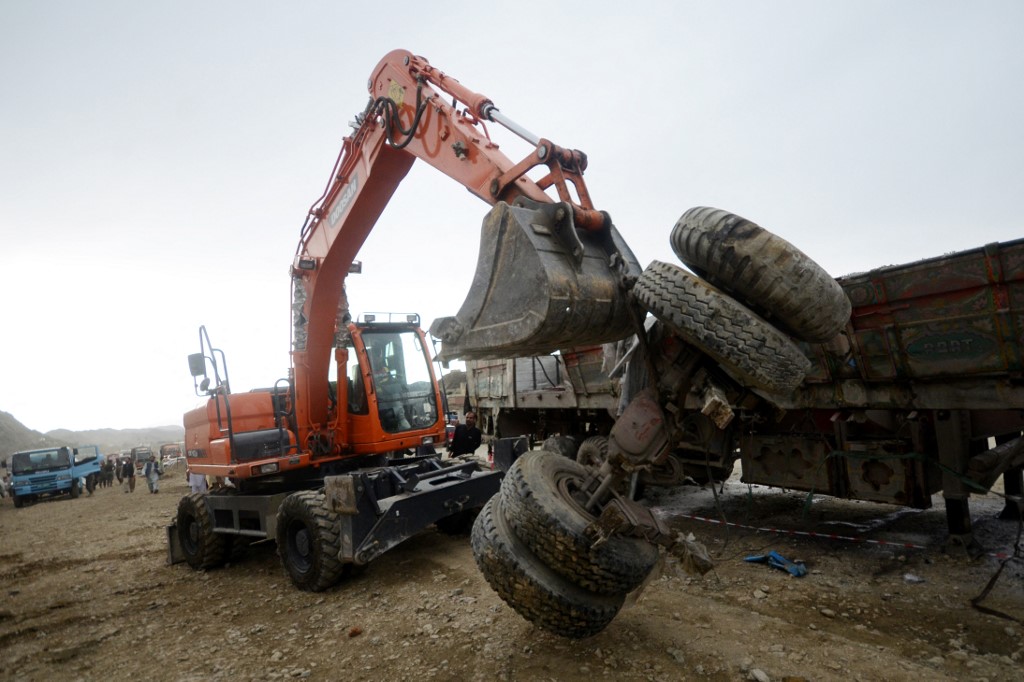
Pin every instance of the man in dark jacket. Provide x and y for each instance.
(128, 475)
(466, 439)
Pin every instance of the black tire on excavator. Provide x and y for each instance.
(529, 586)
(762, 270)
(754, 352)
(309, 540)
(201, 546)
(538, 495)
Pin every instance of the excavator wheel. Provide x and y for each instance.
(201, 546)
(764, 271)
(309, 540)
(529, 586)
(542, 501)
(754, 352)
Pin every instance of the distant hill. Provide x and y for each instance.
(15, 436)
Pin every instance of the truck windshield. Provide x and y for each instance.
(401, 379)
(39, 460)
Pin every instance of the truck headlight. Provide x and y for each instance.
(63, 476)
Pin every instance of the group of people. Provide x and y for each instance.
(124, 470)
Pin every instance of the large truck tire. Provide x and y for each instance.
(19, 502)
(754, 352)
(529, 586)
(75, 489)
(309, 540)
(538, 497)
(201, 546)
(764, 271)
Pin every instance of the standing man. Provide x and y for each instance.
(128, 475)
(466, 439)
(197, 482)
(152, 474)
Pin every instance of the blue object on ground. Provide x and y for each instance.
(776, 560)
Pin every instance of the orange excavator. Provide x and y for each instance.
(323, 461)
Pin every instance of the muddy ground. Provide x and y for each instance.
(87, 595)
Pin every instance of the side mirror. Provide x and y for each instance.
(197, 364)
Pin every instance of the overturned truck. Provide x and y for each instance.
(888, 386)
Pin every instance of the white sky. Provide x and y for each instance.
(157, 158)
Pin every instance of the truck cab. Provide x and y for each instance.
(52, 471)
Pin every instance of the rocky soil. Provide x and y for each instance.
(87, 595)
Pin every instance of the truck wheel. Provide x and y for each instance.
(754, 352)
(19, 502)
(566, 446)
(201, 546)
(539, 497)
(75, 489)
(593, 452)
(764, 271)
(530, 587)
(309, 540)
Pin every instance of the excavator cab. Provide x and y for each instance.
(392, 396)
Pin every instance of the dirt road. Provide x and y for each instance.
(87, 595)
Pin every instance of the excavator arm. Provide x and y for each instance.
(552, 272)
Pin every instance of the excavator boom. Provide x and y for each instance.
(552, 270)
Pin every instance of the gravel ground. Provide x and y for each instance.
(88, 595)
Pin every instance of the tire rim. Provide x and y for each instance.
(190, 538)
(568, 487)
(299, 547)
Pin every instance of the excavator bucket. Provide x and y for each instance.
(540, 285)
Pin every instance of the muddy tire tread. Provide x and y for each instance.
(310, 508)
(554, 529)
(753, 351)
(762, 270)
(531, 588)
(211, 548)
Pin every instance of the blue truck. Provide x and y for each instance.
(54, 471)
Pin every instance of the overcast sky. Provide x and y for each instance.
(157, 158)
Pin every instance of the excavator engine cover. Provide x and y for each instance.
(541, 285)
